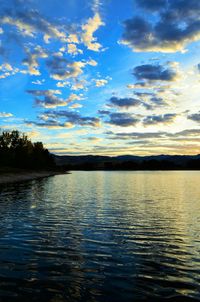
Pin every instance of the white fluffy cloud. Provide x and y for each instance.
(89, 29)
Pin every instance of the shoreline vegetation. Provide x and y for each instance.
(22, 160)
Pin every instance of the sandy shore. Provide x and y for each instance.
(18, 176)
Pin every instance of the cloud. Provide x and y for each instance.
(79, 85)
(93, 139)
(5, 114)
(103, 112)
(31, 60)
(135, 135)
(92, 62)
(50, 124)
(159, 119)
(6, 70)
(72, 38)
(124, 102)
(6, 67)
(96, 5)
(189, 132)
(63, 84)
(50, 98)
(73, 50)
(30, 23)
(122, 119)
(161, 135)
(61, 69)
(158, 72)
(74, 97)
(89, 29)
(139, 85)
(40, 92)
(152, 5)
(51, 101)
(177, 24)
(194, 117)
(157, 101)
(73, 118)
(75, 106)
(150, 100)
(148, 85)
(38, 82)
(100, 82)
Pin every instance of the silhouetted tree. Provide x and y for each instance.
(16, 150)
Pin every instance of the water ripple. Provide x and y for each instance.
(101, 236)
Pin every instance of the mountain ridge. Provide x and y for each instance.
(155, 162)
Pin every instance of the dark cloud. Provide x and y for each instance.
(62, 69)
(153, 5)
(150, 100)
(29, 22)
(92, 138)
(136, 32)
(124, 102)
(40, 92)
(136, 135)
(58, 67)
(73, 118)
(49, 98)
(157, 101)
(122, 119)
(103, 112)
(51, 124)
(144, 94)
(184, 8)
(189, 132)
(154, 135)
(177, 24)
(150, 72)
(50, 101)
(32, 58)
(195, 117)
(159, 119)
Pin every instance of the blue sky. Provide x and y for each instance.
(102, 77)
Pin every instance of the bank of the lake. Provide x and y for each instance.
(19, 175)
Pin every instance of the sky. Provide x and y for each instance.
(102, 77)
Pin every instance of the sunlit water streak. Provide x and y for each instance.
(101, 236)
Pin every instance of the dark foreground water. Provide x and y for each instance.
(101, 236)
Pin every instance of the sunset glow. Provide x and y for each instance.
(102, 77)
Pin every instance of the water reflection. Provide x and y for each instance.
(101, 236)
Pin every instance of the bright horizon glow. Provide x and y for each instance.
(102, 77)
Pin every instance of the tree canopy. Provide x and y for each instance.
(16, 150)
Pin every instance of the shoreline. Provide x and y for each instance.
(8, 177)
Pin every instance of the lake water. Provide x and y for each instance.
(101, 236)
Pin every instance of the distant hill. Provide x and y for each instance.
(129, 162)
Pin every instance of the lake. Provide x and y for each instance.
(101, 236)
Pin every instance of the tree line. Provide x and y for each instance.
(17, 151)
(146, 164)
